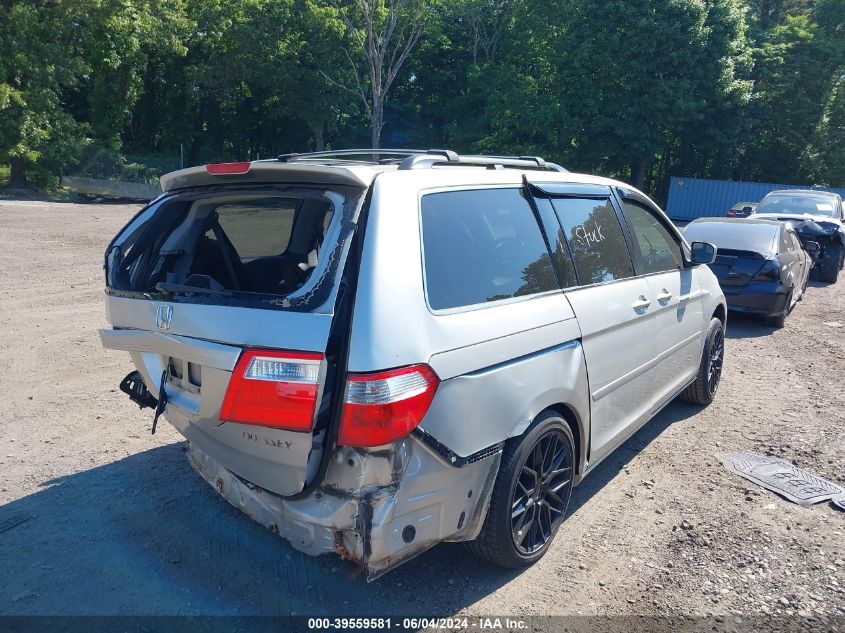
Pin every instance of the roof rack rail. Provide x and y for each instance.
(438, 157)
(426, 159)
(340, 153)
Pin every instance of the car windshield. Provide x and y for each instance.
(799, 203)
(758, 237)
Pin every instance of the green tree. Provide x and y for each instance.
(383, 34)
(42, 60)
(636, 76)
(120, 39)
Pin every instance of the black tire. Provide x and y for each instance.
(548, 442)
(779, 320)
(703, 389)
(829, 266)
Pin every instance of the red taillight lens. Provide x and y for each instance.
(273, 388)
(769, 272)
(382, 407)
(228, 169)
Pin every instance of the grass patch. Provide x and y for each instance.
(5, 172)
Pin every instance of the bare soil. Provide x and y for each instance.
(100, 517)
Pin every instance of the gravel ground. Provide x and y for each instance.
(100, 517)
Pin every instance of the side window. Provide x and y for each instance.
(595, 239)
(659, 250)
(482, 245)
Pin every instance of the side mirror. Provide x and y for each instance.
(812, 247)
(702, 253)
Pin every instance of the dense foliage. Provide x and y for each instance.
(740, 89)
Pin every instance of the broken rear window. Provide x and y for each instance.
(264, 247)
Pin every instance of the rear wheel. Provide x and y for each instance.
(531, 494)
(703, 388)
(779, 320)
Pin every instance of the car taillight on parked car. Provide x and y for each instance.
(769, 272)
(384, 406)
(274, 388)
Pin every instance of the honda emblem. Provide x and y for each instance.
(164, 315)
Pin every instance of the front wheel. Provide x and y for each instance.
(531, 494)
(829, 266)
(703, 388)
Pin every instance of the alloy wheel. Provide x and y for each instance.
(542, 492)
(717, 355)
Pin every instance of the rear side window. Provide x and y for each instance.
(482, 245)
(659, 251)
(595, 239)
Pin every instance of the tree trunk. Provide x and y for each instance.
(639, 171)
(319, 137)
(376, 121)
(17, 175)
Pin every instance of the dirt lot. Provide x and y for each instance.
(100, 517)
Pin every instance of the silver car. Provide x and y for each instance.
(374, 351)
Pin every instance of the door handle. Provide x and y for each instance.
(641, 304)
(664, 296)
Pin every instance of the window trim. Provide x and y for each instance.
(519, 187)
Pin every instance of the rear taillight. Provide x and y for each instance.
(228, 169)
(731, 213)
(274, 388)
(769, 272)
(385, 406)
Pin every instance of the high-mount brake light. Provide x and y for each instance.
(274, 388)
(228, 169)
(382, 407)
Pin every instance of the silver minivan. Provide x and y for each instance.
(373, 351)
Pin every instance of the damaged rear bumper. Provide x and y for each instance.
(409, 500)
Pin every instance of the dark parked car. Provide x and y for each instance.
(818, 216)
(760, 264)
(742, 209)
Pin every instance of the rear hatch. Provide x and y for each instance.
(226, 295)
(735, 267)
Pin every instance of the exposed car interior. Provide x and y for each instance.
(265, 244)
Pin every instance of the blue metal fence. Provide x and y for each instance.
(691, 198)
